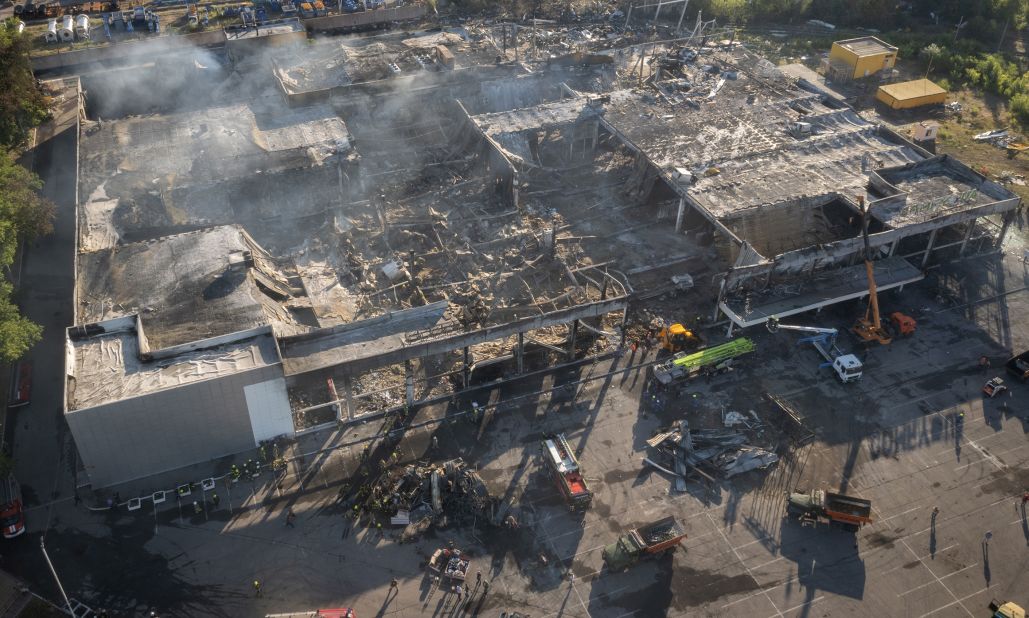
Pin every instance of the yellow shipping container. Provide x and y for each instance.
(861, 57)
(915, 93)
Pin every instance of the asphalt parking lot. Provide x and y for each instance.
(895, 438)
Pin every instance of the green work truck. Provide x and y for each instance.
(663, 535)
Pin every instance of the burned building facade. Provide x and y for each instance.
(309, 244)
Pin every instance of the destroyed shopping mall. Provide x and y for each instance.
(269, 260)
(505, 308)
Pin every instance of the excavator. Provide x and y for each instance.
(869, 327)
(676, 338)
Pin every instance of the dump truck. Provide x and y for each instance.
(1018, 366)
(820, 506)
(709, 360)
(564, 469)
(661, 536)
(1006, 610)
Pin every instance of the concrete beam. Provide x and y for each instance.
(459, 341)
(799, 259)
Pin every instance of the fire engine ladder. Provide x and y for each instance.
(561, 454)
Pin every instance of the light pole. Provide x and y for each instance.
(60, 587)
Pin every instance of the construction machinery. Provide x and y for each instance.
(676, 338)
(661, 536)
(820, 506)
(994, 387)
(1018, 366)
(1006, 610)
(449, 564)
(846, 366)
(564, 468)
(684, 366)
(869, 327)
(903, 324)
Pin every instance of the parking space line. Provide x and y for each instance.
(580, 600)
(933, 582)
(764, 564)
(903, 513)
(765, 538)
(804, 604)
(585, 551)
(957, 601)
(1008, 450)
(940, 581)
(726, 539)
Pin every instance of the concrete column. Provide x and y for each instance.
(721, 295)
(678, 26)
(572, 338)
(409, 382)
(929, 247)
(625, 324)
(520, 353)
(465, 373)
(681, 217)
(1008, 218)
(968, 234)
(348, 390)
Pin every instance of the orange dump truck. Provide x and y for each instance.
(664, 535)
(819, 505)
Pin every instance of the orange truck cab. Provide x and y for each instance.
(12, 517)
(905, 325)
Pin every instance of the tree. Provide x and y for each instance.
(23, 212)
(17, 333)
(23, 104)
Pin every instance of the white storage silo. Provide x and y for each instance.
(51, 31)
(67, 29)
(82, 26)
(19, 26)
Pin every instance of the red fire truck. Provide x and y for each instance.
(564, 467)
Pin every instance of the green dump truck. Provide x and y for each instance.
(709, 360)
(661, 536)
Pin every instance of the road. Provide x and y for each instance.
(40, 443)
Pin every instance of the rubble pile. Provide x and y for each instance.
(438, 494)
(722, 452)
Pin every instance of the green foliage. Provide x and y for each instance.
(23, 213)
(22, 103)
(17, 333)
(1020, 108)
